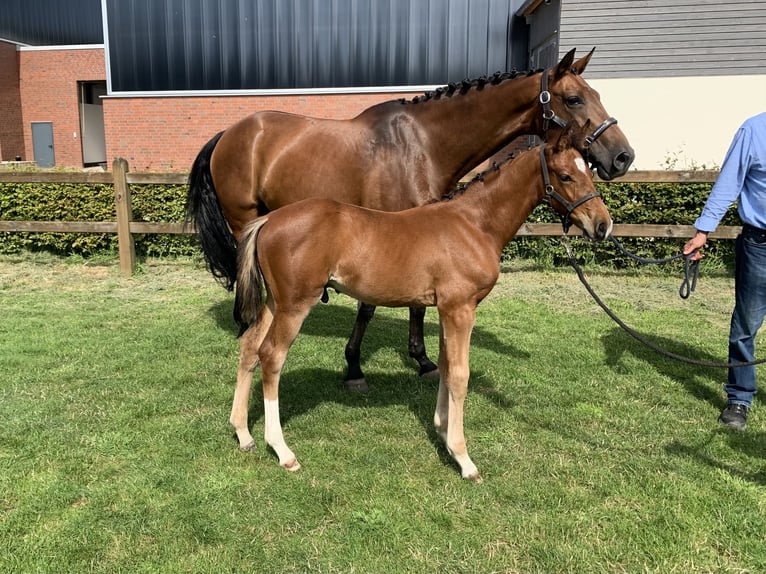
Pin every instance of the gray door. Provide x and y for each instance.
(42, 143)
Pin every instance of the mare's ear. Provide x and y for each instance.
(579, 65)
(565, 64)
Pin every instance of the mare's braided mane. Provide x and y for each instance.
(461, 88)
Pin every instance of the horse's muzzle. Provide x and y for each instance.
(618, 166)
(599, 230)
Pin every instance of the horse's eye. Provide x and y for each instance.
(564, 178)
(573, 101)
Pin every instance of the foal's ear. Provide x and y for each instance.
(573, 135)
(579, 65)
(565, 64)
(566, 137)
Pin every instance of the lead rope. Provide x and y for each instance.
(634, 334)
(691, 268)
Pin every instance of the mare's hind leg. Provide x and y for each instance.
(272, 354)
(354, 379)
(417, 345)
(249, 343)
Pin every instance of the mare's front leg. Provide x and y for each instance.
(454, 344)
(417, 345)
(354, 379)
(249, 343)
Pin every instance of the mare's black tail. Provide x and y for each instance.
(204, 210)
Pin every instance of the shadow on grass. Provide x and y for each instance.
(696, 379)
(303, 389)
(746, 443)
(336, 321)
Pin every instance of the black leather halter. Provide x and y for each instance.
(550, 116)
(551, 194)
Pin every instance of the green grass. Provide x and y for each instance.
(597, 454)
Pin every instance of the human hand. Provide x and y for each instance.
(695, 244)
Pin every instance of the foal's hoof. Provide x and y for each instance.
(356, 385)
(291, 465)
(250, 447)
(475, 478)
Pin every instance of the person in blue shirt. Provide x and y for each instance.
(742, 177)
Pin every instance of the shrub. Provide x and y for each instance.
(634, 203)
(90, 202)
(672, 204)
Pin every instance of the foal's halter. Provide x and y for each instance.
(550, 116)
(551, 194)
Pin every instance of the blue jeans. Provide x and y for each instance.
(748, 314)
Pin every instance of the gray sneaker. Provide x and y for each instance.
(734, 416)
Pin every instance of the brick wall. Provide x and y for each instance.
(167, 133)
(11, 127)
(152, 133)
(48, 86)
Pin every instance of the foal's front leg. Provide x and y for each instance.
(454, 343)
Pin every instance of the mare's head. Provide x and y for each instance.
(569, 187)
(572, 99)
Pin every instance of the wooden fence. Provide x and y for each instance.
(124, 226)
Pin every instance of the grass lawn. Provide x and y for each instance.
(598, 455)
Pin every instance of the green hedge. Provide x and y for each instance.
(91, 202)
(633, 203)
(674, 204)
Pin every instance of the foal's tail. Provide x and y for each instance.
(203, 209)
(251, 286)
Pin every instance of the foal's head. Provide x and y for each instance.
(570, 190)
(572, 99)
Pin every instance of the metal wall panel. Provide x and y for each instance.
(170, 45)
(651, 38)
(51, 22)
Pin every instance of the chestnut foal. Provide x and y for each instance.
(444, 254)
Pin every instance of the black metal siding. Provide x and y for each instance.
(169, 45)
(658, 38)
(51, 22)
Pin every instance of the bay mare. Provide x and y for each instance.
(393, 156)
(445, 254)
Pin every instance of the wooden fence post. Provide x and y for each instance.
(124, 217)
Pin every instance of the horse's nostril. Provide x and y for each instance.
(623, 159)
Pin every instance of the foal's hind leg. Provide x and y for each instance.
(249, 344)
(272, 354)
(417, 345)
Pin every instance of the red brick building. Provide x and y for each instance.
(167, 76)
(11, 132)
(161, 133)
(165, 133)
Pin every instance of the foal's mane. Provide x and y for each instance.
(460, 189)
(461, 88)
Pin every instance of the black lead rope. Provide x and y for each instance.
(691, 268)
(637, 336)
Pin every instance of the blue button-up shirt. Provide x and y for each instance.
(743, 176)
